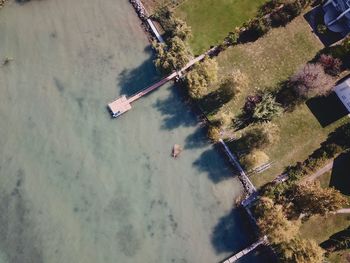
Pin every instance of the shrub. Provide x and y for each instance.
(174, 55)
(267, 108)
(331, 65)
(254, 159)
(232, 38)
(214, 133)
(322, 29)
(259, 136)
(311, 81)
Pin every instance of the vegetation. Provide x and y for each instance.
(301, 251)
(311, 81)
(267, 108)
(312, 199)
(200, 77)
(274, 223)
(254, 159)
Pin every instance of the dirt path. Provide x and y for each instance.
(320, 172)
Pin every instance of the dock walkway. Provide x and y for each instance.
(123, 104)
(245, 251)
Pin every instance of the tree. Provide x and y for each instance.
(300, 251)
(311, 199)
(267, 108)
(274, 223)
(233, 83)
(312, 81)
(174, 55)
(259, 136)
(214, 133)
(181, 29)
(201, 76)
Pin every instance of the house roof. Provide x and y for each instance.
(343, 92)
(337, 15)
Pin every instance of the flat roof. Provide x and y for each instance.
(343, 92)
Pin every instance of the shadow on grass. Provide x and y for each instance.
(134, 80)
(212, 102)
(327, 109)
(340, 178)
(217, 167)
(232, 233)
(337, 241)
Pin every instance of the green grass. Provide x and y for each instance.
(211, 20)
(326, 226)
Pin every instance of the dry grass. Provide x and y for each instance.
(267, 62)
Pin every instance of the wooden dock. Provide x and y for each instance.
(245, 251)
(123, 104)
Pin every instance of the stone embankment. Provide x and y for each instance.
(2, 3)
(139, 8)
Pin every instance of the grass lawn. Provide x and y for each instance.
(211, 20)
(326, 227)
(266, 63)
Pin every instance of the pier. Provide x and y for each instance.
(245, 251)
(123, 104)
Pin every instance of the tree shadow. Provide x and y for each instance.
(212, 163)
(327, 109)
(340, 178)
(212, 102)
(337, 241)
(198, 139)
(232, 233)
(131, 81)
(176, 110)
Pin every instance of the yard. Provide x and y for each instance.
(211, 20)
(267, 62)
(331, 224)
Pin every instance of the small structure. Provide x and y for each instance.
(119, 106)
(343, 92)
(337, 16)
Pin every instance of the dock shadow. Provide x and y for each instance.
(340, 178)
(215, 165)
(231, 233)
(133, 80)
(327, 110)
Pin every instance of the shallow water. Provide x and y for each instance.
(77, 186)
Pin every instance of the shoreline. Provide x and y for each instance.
(250, 193)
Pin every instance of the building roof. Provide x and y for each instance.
(337, 15)
(343, 92)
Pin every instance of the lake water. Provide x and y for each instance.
(78, 186)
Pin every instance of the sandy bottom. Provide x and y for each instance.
(77, 186)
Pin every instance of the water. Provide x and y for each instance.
(77, 186)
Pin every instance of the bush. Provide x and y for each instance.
(258, 137)
(331, 65)
(267, 108)
(254, 159)
(214, 133)
(311, 81)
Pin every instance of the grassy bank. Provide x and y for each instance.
(211, 20)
